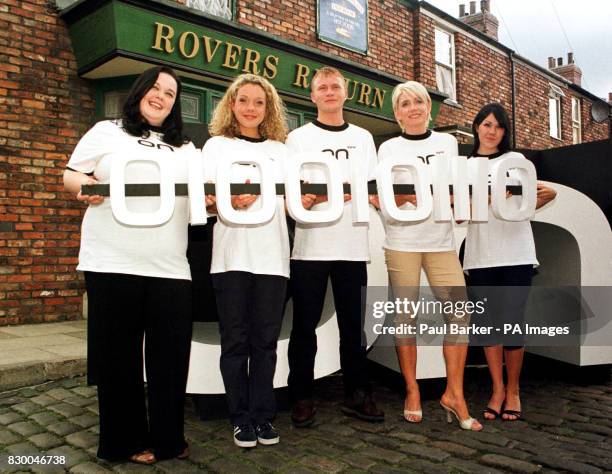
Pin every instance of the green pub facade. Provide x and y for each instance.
(115, 40)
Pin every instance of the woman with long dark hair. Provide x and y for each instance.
(137, 278)
(501, 254)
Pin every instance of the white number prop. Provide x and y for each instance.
(268, 192)
(293, 191)
(458, 171)
(197, 205)
(478, 174)
(384, 182)
(527, 177)
(117, 190)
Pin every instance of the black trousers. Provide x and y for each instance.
(308, 288)
(250, 311)
(122, 310)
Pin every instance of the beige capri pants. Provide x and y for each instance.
(446, 280)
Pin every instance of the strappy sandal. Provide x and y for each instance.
(145, 457)
(409, 416)
(517, 414)
(490, 411)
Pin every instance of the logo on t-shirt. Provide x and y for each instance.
(339, 154)
(159, 146)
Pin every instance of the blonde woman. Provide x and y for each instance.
(428, 245)
(250, 263)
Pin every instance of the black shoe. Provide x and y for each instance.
(362, 406)
(266, 434)
(244, 436)
(302, 413)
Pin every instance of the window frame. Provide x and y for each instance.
(452, 66)
(576, 121)
(555, 94)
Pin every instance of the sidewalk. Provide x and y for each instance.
(35, 353)
(567, 425)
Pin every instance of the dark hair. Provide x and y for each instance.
(133, 121)
(502, 118)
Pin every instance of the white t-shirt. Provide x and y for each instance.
(262, 248)
(427, 235)
(341, 239)
(499, 243)
(110, 246)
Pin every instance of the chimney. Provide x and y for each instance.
(483, 21)
(609, 97)
(569, 71)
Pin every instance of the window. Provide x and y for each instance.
(222, 8)
(554, 111)
(445, 63)
(576, 121)
(113, 104)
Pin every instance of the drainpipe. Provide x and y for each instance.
(513, 94)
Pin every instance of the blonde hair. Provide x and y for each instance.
(274, 124)
(413, 88)
(324, 72)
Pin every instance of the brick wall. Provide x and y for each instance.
(44, 109)
(390, 30)
(483, 75)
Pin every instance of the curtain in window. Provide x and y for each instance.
(222, 8)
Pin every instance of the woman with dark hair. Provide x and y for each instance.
(137, 278)
(499, 258)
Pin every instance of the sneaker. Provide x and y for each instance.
(266, 434)
(244, 436)
(362, 405)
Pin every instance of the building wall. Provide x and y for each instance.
(483, 75)
(390, 30)
(44, 109)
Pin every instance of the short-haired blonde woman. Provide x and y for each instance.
(250, 263)
(428, 245)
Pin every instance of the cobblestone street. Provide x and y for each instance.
(567, 428)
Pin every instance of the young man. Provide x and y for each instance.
(337, 250)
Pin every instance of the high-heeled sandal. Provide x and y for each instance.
(490, 411)
(409, 413)
(145, 457)
(467, 424)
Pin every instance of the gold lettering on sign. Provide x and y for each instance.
(350, 96)
(163, 34)
(379, 98)
(250, 61)
(231, 56)
(364, 95)
(301, 76)
(209, 52)
(270, 67)
(195, 44)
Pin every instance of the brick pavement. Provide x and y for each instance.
(567, 428)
